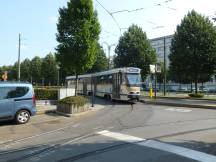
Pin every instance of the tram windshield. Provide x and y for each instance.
(133, 79)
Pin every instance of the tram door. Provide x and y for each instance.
(116, 85)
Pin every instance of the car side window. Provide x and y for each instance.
(3, 93)
(12, 92)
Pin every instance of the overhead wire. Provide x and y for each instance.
(116, 22)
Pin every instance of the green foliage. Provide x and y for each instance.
(26, 70)
(36, 69)
(78, 33)
(46, 94)
(135, 50)
(74, 100)
(193, 50)
(196, 95)
(49, 69)
(101, 63)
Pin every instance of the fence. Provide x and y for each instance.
(181, 90)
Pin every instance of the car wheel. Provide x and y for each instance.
(22, 117)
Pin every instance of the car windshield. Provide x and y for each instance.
(133, 79)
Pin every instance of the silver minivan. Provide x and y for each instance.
(17, 101)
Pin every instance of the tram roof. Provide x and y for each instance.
(112, 71)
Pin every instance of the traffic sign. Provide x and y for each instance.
(4, 76)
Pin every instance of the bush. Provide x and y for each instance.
(74, 100)
(46, 94)
(198, 95)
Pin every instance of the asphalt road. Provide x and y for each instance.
(115, 132)
(175, 101)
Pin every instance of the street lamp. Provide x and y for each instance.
(109, 49)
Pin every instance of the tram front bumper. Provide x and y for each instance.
(133, 96)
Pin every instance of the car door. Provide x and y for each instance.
(6, 103)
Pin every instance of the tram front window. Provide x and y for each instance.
(133, 80)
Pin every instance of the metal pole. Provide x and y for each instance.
(109, 48)
(92, 92)
(155, 82)
(164, 92)
(18, 77)
(58, 78)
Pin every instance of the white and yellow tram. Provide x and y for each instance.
(121, 83)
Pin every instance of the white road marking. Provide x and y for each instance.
(119, 136)
(182, 151)
(179, 110)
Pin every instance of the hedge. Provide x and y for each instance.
(198, 95)
(46, 94)
(74, 100)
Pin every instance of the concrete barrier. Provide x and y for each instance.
(68, 110)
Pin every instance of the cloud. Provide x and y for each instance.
(53, 19)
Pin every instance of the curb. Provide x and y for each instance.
(178, 105)
(182, 98)
(45, 112)
(71, 115)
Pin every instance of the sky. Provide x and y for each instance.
(36, 21)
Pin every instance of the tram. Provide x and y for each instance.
(121, 83)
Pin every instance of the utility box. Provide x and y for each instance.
(65, 92)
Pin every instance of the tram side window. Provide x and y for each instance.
(102, 79)
(88, 80)
(106, 79)
(98, 80)
(110, 78)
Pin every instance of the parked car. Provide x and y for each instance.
(203, 89)
(17, 101)
(212, 90)
(182, 89)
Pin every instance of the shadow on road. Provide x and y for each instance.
(110, 150)
(206, 147)
(7, 123)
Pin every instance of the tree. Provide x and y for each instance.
(78, 34)
(49, 72)
(101, 63)
(193, 50)
(36, 63)
(135, 50)
(26, 70)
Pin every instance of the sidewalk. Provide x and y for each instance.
(42, 109)
(192, 103)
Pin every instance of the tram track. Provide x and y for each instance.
(58, 144)
(35, 151)
(52, 147)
